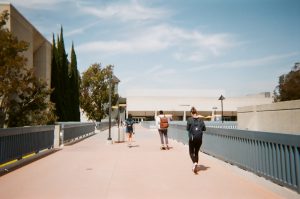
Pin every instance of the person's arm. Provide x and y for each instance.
(203, 127)
(157, 121)
(188, 125)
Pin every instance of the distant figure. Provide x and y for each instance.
(195, 127)
(129, 128)
(162, 124)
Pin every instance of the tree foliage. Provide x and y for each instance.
(289, 85)
(94, 92)
(23, 98)
(65, 80)
(32, 106)
(74, 78)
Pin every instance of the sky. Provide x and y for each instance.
(238, 46)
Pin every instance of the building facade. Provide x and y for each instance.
(144, 104)
(39, 51)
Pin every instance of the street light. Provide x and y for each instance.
(109, 104)
(215, 112)
(222, 98)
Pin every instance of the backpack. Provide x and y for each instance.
(164, 123)
(129, 125)
(196, 129)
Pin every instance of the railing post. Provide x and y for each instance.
(56, 136)
(61, 135)
(297, 153)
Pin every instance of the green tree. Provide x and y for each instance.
(22, 95)
(32, 106)
(65, 81)
(289, 85)
(74, 78)
(63, 78)
(94, 92)
(55, 81)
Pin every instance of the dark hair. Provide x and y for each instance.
(129, 116)
(193, 110)
(161, 112)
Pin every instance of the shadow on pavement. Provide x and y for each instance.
(132, 146)
(202, 168)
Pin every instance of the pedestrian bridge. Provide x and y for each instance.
(91, 168)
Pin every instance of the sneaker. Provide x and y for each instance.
(163, 147)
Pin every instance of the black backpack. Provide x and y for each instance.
(197, 127)
(129, 125)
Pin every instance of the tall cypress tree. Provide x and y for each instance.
(63, 78)
(55, 81)
(74, 86)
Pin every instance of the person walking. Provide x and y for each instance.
(129, 122)
(195, 127)
(162, 124)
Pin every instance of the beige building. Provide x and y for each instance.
(39, 51)
(144, 104)
(280, 117)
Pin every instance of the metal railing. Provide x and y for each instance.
(15, 143)
(72, 131)
(18, 142)
(274, 156)
(225, 124)
(104, 125)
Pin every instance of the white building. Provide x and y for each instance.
(144, 104)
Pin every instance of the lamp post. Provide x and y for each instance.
(109, 140)
(215, 112)
(222, 98)
(118, 106)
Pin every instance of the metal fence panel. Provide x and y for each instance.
(18, 142)
(272, 155)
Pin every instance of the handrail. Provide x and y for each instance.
(15, 143)
(274, 156)
(18, 142)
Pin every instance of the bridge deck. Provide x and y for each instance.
(94, 169)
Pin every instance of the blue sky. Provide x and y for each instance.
(240, 46)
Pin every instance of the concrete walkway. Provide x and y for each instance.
(94, 169)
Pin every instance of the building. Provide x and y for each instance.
(39, 52)
(144, 104)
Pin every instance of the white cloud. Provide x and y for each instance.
(196, 45)
(80, 30)
(125, 12)
(38, 4)
(263, 61)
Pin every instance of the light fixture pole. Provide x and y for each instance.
(215, 112)
(109, 108)
(222, 98)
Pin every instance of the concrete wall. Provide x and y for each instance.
(39, 51)
(281, 117)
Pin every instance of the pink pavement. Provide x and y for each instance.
(93, 169)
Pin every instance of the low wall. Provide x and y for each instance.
(280, 117)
